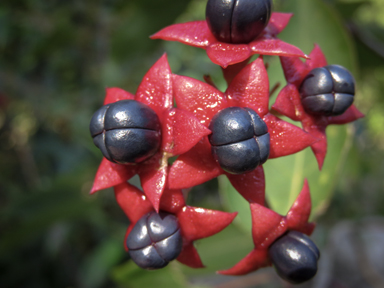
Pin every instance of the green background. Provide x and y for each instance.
(57, 57)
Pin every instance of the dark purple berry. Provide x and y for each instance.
(237, 21)
(126, 132)
(295, 257)
(239, 139)
(155, 240)
(328, 91)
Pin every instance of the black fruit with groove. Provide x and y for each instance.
(155, 240)
(237, 21)
(295, 257)
(240, 140)
(328, 91)
(126, 132)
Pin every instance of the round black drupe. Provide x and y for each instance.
(295, 257)
(155, 240)
(237, 21)
(240, 140)
(126, 132)
(328, 91)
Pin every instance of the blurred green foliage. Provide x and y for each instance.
(56, 59)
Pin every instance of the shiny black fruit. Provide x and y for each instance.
(237, 21)
(240, 140)
(155, 240)
(295, 257)
(126, 132)
(328, 91)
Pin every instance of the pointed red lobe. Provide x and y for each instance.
(116, 94)
(250, 88)
(153, 174)
(294, 70)
(254, 260)
(250, 185)
(288, 103)
(190, 257)
(267, 46)
(231, 71)
(198, 34)
(316, 127)
(265, 225)
(194, 33)
(111, 174)
(225, 54)
(197, 223)
(298, 215)
(348, 116)
(155, 90)
(200, 98)
(132, 201)
(278, 22)
(172, 201)
(286, 138)
(183, 130)
(194, 167)
(316, 58)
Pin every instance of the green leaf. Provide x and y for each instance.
(316, 22)
(285, 176)
(221, 251)
(100, 261)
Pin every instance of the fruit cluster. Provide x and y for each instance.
(214, 133)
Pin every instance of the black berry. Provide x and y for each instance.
(155, 240)
(237, 21)
(126, 132)
(239, 139)
(295, 257)
(328, 91)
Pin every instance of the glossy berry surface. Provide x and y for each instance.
(328, 90)
(295, 257)
(155, 240)
(240, 140)
(126, 132)
(237, 21)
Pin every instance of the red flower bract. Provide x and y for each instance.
(288, 102)
(195, 223)
(250, 88)
(197, 34)
(180, 132)
(267, 226)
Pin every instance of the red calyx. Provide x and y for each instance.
(288, 102)
(197, 34)
(180, 132)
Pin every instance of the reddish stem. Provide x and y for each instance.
(208, 80)
(274, 89)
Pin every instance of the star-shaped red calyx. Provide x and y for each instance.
(180, 132)
(250, 88)
(195, 223)
(288, 102)
(197, 34)
(267, 226)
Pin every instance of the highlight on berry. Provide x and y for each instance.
(155, 240)
(294, 257)
(238, 21)
(126, 132)
(240, 140)
(328, 91)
